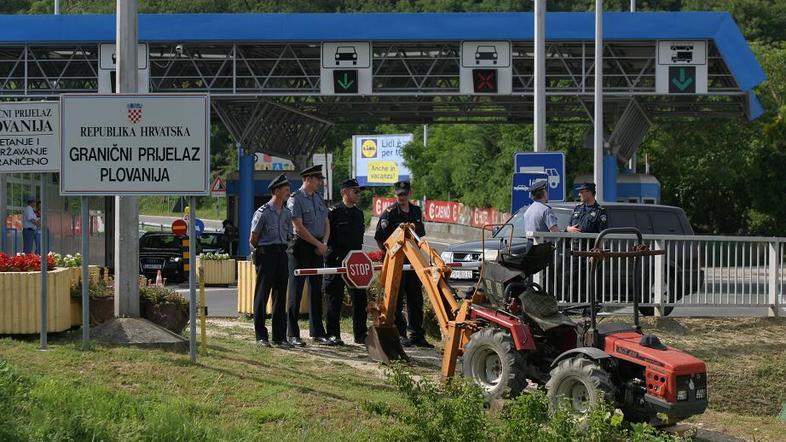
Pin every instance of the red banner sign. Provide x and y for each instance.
(442, 212)
(381, 203)
(481, 217)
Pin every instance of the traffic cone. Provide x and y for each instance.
(159, 279)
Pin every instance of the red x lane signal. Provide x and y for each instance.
(484, 81)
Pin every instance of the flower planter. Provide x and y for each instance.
(20, 294)
(101, 310)
(171, 316)
(218, 272)
(246, 279)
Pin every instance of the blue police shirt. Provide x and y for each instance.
(589, 218)
(272, 225)
(311, 209)
(539, 218)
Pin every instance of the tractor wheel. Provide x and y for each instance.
(580, 381)
(492, 362)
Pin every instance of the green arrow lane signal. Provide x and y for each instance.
(345, 82)
(683, 82)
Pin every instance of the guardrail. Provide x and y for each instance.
(166, 227)
(695, 271)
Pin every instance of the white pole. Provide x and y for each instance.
(540, 77)
(44, 255)
(3, 211)
(127, 207)
(425, 135)
(192, 263)
(632, 5)
(598, 157)
(85, 222)
(57, 7)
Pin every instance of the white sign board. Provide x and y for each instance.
(30, 136)
(377, 160)
(126, 144)
(486, 55)
(108, 56)
(682, 67)
(343, 56)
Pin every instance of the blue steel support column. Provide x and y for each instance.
(610, 177)
(245, 201)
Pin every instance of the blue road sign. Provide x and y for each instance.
(199, 226)
(550, 163)
(520, 196)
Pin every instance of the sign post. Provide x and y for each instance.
(29, 140)
(346, 68)
(681, 67)
(377, 160)
(550, 163)
(131, 144)
(360, 269)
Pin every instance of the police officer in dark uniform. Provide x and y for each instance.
(347, 227)
(271, 229)
(308, 250)
(588, 217)
(404, 212)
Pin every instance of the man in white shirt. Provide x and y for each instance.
(30, 225)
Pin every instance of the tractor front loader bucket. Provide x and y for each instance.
(383, 344)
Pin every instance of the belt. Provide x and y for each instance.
(29, 228)
(274, 247)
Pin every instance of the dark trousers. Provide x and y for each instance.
(411, 290)
(272, 270)
(334, 297)
(302, 256)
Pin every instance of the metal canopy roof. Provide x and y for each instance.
(262, 70)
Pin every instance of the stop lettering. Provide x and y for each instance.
(360, 269)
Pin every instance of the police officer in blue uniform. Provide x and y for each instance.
(271, 229)
(347, 227)
(539, 217)
(308, 250)
(404, 212)
(588, 217)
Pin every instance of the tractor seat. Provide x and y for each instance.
(542, 308)
(535, 259)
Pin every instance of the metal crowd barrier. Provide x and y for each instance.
(696, 271)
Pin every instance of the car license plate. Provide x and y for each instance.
(461, 274)
(153, 266)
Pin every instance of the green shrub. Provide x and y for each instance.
(161, 295)
(455, 411)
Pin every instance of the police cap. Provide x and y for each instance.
(401, 187)
(279, 181)
(586, 186)
(350, 183)
(538, 185)
(315, 170)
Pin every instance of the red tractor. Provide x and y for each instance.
(510, 332)
(525, 335)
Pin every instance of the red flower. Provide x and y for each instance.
(23, 263)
